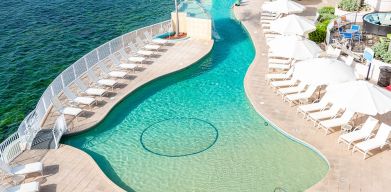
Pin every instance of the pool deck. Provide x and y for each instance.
(348, 172)
(70, 169)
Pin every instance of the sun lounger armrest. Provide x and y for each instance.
(357, 127)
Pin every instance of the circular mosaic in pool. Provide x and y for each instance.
(179, 137)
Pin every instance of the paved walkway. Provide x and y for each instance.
(172, 58)
(348, 172)
(69, 169)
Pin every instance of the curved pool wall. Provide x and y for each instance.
(248, 154)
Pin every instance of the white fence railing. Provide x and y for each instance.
(32, 123)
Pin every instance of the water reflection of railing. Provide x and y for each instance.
(30, 126)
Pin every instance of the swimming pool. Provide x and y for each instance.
(195, 130)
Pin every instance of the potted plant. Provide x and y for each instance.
(354, 10)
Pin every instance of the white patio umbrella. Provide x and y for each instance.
(361, 97)
(323, 71)
(283, 6)
(292, 25)
(295, 47)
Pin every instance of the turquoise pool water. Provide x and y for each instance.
(195, 130)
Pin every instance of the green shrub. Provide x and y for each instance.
(326, 10)
(349, 5)
(319, 35)
(381, 51)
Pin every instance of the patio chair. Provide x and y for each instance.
(117, 63)
(290, 90)
(36, 167)
(377, 142)
(283, 76)
(72, 111)
(336, 122)
(332, 112)
(109, 73)
(360, 132)
(78, 100)
(101, 82)
(305, 95)
(355, 27)
(150, 38)
(285, 83)
(89, 90)
(317, 105)
(131, 58)
(24, 187)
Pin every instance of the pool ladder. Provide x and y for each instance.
(279, 189)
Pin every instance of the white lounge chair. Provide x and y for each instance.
(290, 90)
(72, 111)
(364, 132)
(101, 82)
(285, 83)
(25, 187)
(136, 59)
(147, 46)
(149, 37)
(89, 90)
(315, 106)
(36, 167)
(306, 95)
(134, 49)
(129, 66)
(337, 122)
(325, 114)
(377, 142)
(107, 72)
(283, 76)
(78, 100)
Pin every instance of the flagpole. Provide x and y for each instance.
(177, 19)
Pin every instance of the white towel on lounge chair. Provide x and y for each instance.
(377, 142)
(363, 133)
